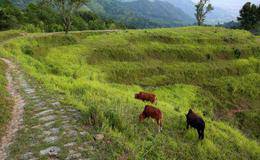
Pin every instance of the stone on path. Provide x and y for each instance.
(74, 156)
(70, 144)
(51, 151)
(99, 137)
(27, 155)
(49, 124)
(48, 118)
(55, 104)
(44, 112)
(51, 139)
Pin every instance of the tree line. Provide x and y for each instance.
(66, 15)
(52, 16)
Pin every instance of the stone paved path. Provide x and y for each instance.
(17, 113)
(43, 128)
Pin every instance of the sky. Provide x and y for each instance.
(232, 6)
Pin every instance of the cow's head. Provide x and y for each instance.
(136, 95)
(190, 111)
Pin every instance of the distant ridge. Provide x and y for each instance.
(135, 14)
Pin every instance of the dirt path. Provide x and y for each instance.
(17, 112)
(41, 126)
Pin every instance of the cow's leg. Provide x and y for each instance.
(202, 134)
(199, 133)
(159, 125)
(187, 125)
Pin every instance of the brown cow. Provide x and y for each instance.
(155, 113)
(196, 122)
(146, 97)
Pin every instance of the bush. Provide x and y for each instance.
(55, 28)
(114, 120)
(95, 116)
(237, 53)
(31, 28)
(27, 50)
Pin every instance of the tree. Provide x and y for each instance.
(258, 14)
(10, 16)
(203, 7)
(249, 16)
(67, 9)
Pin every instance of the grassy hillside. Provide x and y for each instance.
(215, 71)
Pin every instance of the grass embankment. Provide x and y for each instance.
(7, 35)
(5, 103)
(212, 70)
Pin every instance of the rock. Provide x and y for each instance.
(41, 104)
(67, 126)
(54, 130)
(72, 110)
(44, 112)
(65, 118)
(27, 155)
(51, 151)
(36, 127)
(99, 137)
(51, 139)
(83, 133)
(48, 118)
(73, 133)
(74, 156)
(70, 144)
(55, 104)
(49, 124)
(29, 91)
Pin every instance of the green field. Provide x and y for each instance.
(214, 71)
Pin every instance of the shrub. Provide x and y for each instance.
(114, 120)
(95, 116)
(31, 28)
(55, 28)
(27, 50)
(237, 53)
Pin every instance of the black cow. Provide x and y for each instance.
(196, 122)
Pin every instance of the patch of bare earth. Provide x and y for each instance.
(17, 112)
(241, 107)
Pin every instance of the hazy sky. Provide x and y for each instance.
(231, 5)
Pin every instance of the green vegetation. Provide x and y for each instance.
(203, 7)
(249, 16)
(4, 101)
(8, 35)
(42, 17)
(212, 70)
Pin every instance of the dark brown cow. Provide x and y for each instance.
(196, 122)
(146, 97)
(155, 113)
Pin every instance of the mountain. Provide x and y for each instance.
(22, 3)
(152, 13)
(137, 13)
